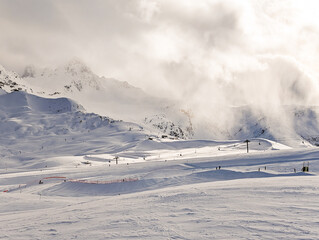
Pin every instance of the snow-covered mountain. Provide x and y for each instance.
(293, 125)
(101, 95)
(107, 96)
(104, 96)
(74, 76)
(33, 126)
(11, 81)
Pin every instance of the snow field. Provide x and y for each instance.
(272, 208)
(67, 174)
(177, 193)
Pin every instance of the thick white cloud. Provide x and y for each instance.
(212, 51)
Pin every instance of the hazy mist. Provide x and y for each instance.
(211, 54)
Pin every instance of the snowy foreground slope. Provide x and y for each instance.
(68, 174)
(157, 199)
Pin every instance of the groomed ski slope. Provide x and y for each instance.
(69, 174)
(173, 191)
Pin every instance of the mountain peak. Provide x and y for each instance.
(75, 66)
(29, 71)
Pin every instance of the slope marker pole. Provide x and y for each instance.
(247, 141)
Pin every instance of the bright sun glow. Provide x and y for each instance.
(306, 11)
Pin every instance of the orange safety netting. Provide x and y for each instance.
(105, 182)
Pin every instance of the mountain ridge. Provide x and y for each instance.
(293, 125)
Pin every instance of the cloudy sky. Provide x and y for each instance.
(228, 49)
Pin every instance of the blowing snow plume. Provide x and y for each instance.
(230, 59)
